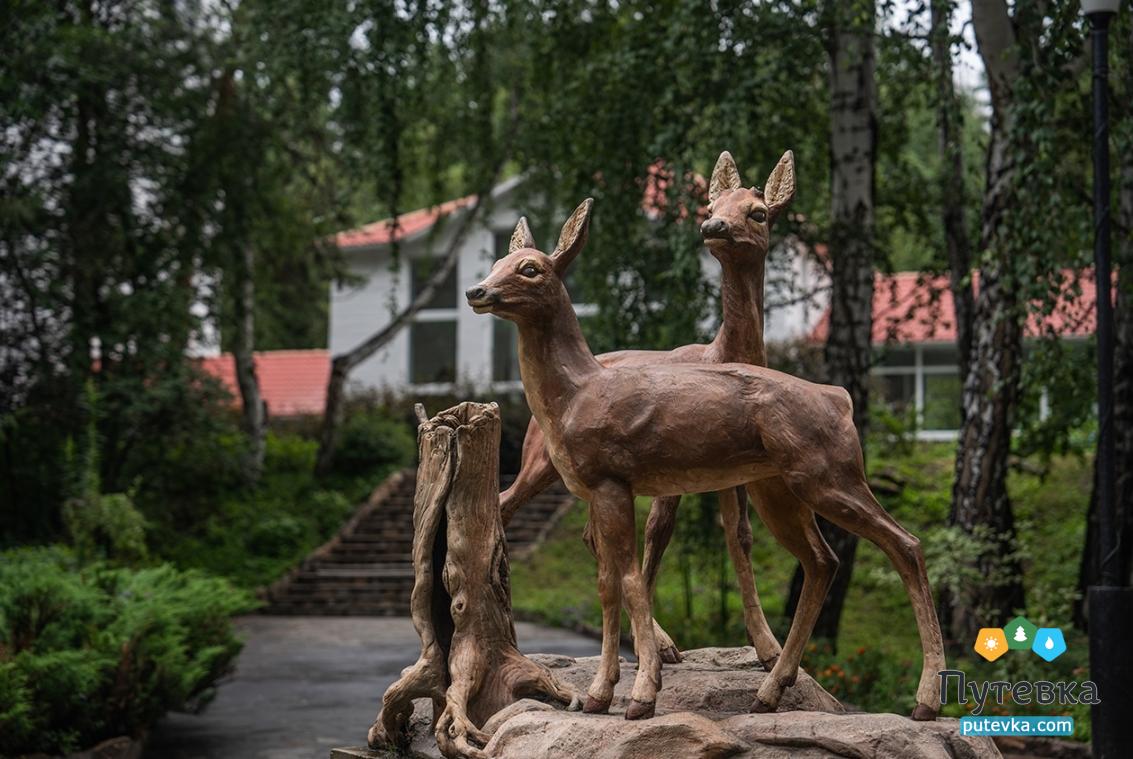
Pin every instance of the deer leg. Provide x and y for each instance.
(536, 474)
(658, 532)
(855, 509)
(612, 516)
(739, 549)
(792, 523)
(666, 649)
(601, 691)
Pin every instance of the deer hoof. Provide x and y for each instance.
(759, 706)
(594, 706)
(640, 710)
(922, 713)
(670, 655)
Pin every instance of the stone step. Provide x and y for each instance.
(369, 571)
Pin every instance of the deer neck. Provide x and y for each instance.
(554, 361)
(740, 337)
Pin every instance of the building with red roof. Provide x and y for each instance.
(292, 382)
(914, 332)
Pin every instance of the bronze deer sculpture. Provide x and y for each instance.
(668, 429)
(738, 237)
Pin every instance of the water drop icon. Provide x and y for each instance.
(1049, 643)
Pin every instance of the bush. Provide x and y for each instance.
(90, 653)
(106, 527)
(370, 440)
(253, 534)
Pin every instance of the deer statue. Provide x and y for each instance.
(736, 234)
(669, 429)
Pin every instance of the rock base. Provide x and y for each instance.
(702, 712)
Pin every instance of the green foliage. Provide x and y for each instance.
(371, 440)
(106, 527)
(866, 678)
(251, 535)
(94, 652)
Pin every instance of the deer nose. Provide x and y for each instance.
(714, 228)
(475, 293)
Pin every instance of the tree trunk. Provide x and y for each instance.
(344, 363)
(243, 353)
(853, 143)
(461, 604)
(953, 197)
(980, 504)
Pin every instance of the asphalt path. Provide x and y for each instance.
(304, 685)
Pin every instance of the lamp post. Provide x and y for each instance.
(1110, 604)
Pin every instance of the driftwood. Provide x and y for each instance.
(461, 604)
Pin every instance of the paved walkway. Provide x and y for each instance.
(306, 684)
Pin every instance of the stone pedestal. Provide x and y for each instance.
(701, 713)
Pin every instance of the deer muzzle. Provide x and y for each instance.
(715, 228)
(481, 298)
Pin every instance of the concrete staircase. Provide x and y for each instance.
(366, 569)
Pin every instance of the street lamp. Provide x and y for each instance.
(1110, 604)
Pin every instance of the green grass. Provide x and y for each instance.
(878, 643)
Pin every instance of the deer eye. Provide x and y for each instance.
(530, 271)
(759, 215)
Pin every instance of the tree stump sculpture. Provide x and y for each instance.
(461, 604)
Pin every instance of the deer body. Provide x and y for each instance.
(657, 443)
(740, 246)
(680, 428)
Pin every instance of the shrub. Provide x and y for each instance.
(94, 652)
(370, 440)
(106, 527)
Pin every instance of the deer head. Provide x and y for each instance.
(741, 219)
(526, 280)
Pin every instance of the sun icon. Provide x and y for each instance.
(991, 643)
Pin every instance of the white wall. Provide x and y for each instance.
(797, 293)
(358, 311)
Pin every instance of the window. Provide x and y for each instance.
(445, 296)
(941, 402)
(432, 334)
(505, 351)
(897, 392)
(923, 383)
(432, 352)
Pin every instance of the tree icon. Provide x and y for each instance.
(1019, 633)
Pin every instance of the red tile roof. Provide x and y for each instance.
(293, 383)
(915, 307)
(408, 224)
(654, 200)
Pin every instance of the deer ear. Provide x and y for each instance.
(573, 236)
(780, 187)
(724, 177)
(521, 238)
